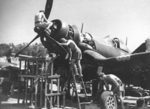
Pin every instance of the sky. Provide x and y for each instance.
(117, 18)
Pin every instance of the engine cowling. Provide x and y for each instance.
(59, 29)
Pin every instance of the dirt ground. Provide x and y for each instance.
(10, 106)
(12, 103)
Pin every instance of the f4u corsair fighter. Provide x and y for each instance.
(109, 53)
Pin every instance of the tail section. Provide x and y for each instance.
(147, 44)
(144, 47)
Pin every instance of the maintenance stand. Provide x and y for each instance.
(36, 84)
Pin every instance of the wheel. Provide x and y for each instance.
(108, 101)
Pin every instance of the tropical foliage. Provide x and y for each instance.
(4, 50)
(36, 50)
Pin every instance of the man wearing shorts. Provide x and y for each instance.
(75, 54)
(116, 83)
(42, 22)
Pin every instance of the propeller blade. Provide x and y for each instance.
(48, 8)
(26, 46)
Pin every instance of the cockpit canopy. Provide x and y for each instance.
(119, 44)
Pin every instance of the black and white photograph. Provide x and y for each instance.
(75, 54)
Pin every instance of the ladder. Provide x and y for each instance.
(75, 87)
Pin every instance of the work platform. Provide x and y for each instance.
(36, 84)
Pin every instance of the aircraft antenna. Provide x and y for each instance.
(82, 28)
(126, 40)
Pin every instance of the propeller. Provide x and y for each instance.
(48, 8)
(27, 45)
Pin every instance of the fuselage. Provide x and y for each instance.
(107, 49)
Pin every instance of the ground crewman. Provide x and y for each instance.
(42, 22)
(75, 54)
(116, 85)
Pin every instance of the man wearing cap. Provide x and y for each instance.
(116, 83)
(42, 22)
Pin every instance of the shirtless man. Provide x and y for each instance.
(75, 54)
(42, 22)
(117, 85)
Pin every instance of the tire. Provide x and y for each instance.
(108, 101)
